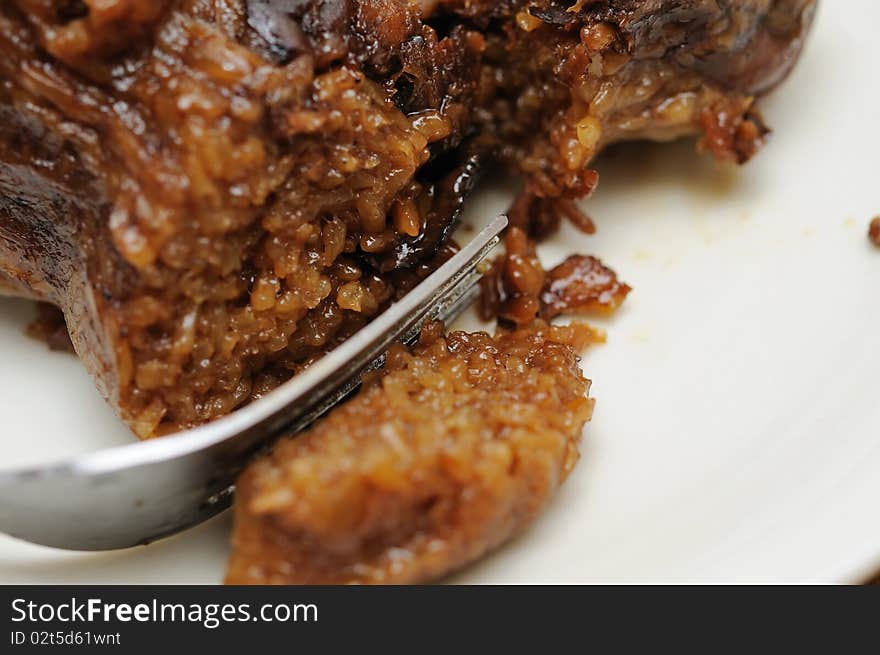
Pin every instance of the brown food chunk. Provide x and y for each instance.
(215, 192)
(540, 217)
(731, 135)
(516, 289)
(584, 285)
(874, 231)
(511, 285)
(447, 453)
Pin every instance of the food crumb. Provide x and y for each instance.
(874, 231)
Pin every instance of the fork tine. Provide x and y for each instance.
(140, 492)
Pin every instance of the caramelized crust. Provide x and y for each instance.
(447, 453)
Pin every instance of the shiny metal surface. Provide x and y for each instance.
(141, 492)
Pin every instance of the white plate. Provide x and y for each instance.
(737, 431)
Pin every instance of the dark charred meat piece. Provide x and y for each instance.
(874, 232)
(447, 453)
(215, 192)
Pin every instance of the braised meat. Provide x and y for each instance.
(216, 191)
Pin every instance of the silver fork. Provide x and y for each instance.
(141, 492)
